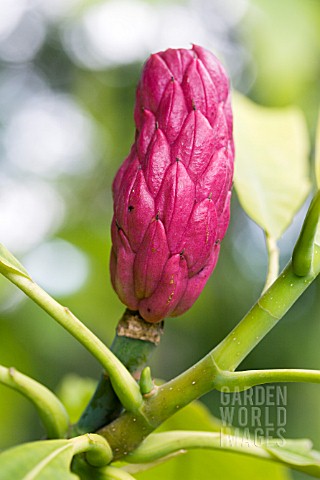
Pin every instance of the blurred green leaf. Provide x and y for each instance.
(279, 36)
(9, 262)
(43, 460)
(298, 452)
(194, 416)
(75, 393)
(271, 169)
(206, 465)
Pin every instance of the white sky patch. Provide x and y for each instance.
(119, 29)
(182, 28)
(49, 135)
(29, 211)
(17, 84)
(124, 31)
(55, 9)
(25, 40)
(111, 33)
(11, 13)
(58, 267)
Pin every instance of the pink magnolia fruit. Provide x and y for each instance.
(172, 193)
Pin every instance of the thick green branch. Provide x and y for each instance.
(133, 345)
(207, 373)
(50, 409)
(127, 431)
(280, 296)
(264, 315)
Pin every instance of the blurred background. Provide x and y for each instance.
(68, 72)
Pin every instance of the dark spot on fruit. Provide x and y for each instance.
(149, 310)
(130, 208)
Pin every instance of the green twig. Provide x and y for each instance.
(164, 445)
(97, 450)
(273, 261)
(238, 381)
(264, 315)
(124, 385)
(303, 252)
(146, 382)
(203, 377)
(160, 445)
(50, 409)
(113, 473)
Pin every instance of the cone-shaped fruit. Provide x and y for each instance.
(172, 193)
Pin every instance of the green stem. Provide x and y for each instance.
(133, 345)
(206, 374)
(164, 445)
(303, 252)
(163, 402)
(273, 261)
(264, 315)
(86, 471)
(113, 473)
(97, 450)
(160, 445)
(123, 383)
(146, 382)
(238, 381)
(134, 468)
(50, 409)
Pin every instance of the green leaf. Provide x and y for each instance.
(271, 168)
(9, 262)
(206, 465)
(75, 393)
(298, 453)
(43, 460)
(50, 459)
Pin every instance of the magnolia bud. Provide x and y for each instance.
(172, 193)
